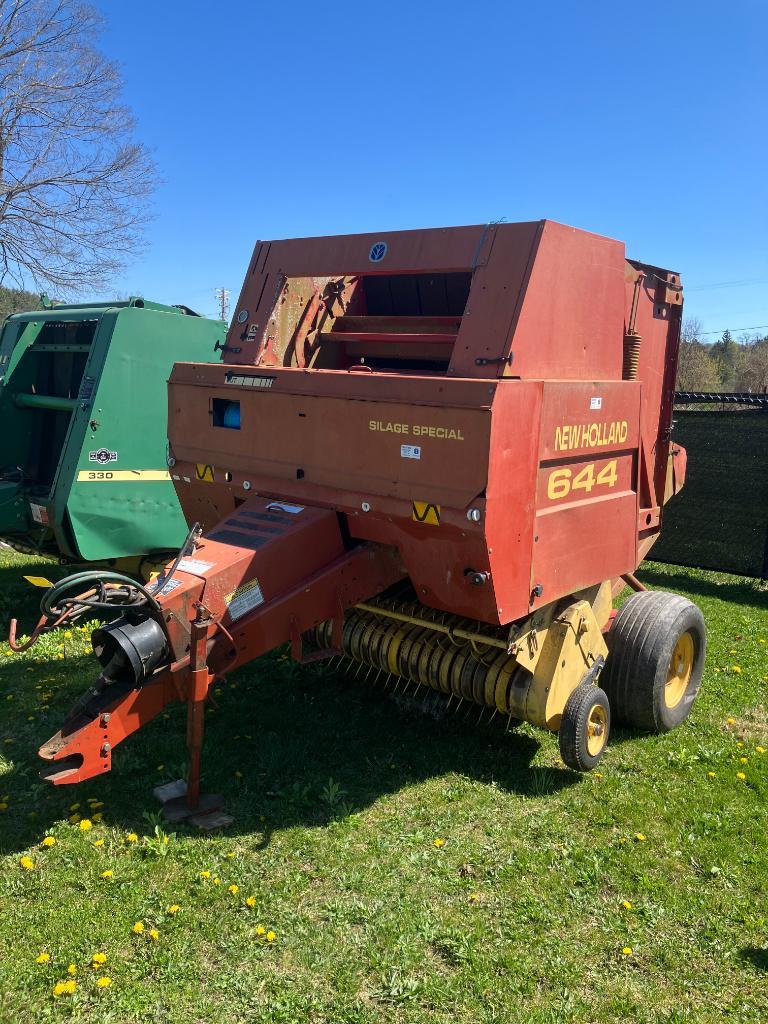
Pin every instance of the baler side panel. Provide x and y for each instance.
(569, 322)
(586, 493)
(127, 506)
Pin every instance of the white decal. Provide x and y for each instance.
(595, 403)
(245, 598)
(281, 506)
(410, 451)
(194, 565)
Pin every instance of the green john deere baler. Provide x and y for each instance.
(83, 413)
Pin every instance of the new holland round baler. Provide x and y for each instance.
(437, 453)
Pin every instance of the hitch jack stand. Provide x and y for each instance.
(182, 800)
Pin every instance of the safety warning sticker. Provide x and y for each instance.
(426, 512)
(203, 471)
(244, 599)
(194, 565)
(39, 513)
(410, 451)
(166, 586)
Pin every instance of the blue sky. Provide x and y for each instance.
(643, 122)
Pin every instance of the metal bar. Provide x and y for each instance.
(59, 404)
(439, 627)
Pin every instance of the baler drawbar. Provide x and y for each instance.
(437, 453)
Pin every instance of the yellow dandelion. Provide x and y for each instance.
(740, 744)
(72, 969)
(736, 669)
(154, 934)
(627, 951)
(99, 958)
(743, 760)
(67, 634)
(730, 721)
(598, 775)
(64, 988)
(271, 936)
(108, 874)
(234, 889)
(98, 842)
(627, 905)
(711, 775)
(250, 901)
(86, 824)
(174, 908)
(640, 837)
(474, 897)
(759, 750)
(49, 841)
(260, 929)
(131, 838)
(27, 863)
(217, 880)
(438, 842)
(741, 776)
(60, 656)
(229, 856)
(205, 874)
(138, 928)
(42, 958)
(104, 982)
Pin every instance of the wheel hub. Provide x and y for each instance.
(680, 669)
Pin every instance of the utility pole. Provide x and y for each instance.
(222, 297)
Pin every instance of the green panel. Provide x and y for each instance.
(98, 383)
(109, 515)
(720, 518)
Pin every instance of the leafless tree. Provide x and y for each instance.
(691, 329)
(74, 183)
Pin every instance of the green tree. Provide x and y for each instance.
(729, 357)
(14, 300)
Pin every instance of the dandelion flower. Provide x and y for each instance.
(174, 908)
(730, 721)
(86, 824)
(138, 928)
(737, 670)
(743, 760)
(131, 838)
(154, 934)
(99, 842)
(627, 951)
(640, 837)
(104, 982)
(205, 874)
(438, 842)
(229, 856)
(474, 897)
(760, 750)
(27, 863)
(741, 776)
(72, 969)
(64, 988)
(710, 775)
(49, 841)
(217, 880)
(99, 959)
(108, 874)
(271, 936)
(234, 889)
(260, 929)
(43, 958)
(67, 634)
(250, 901)
(627, 905)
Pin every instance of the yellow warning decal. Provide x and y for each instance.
(38, 581)
(122, 475)
(426, 512)
(204, 472)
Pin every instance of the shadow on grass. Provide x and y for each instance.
(757, 957)
(288, 746)
(730, 589)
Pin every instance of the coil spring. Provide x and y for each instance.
(632, 343)
(490, 678)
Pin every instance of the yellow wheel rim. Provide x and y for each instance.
(680, 668)
(597, 730)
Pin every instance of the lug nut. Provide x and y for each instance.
(474, 515)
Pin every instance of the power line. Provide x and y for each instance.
(726, 284)
(760, 327)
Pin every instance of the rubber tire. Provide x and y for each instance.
(640, 645)
(572, 736)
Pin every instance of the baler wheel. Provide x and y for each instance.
(584, 727)
(656, 650)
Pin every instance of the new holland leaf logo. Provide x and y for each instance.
(426, 512)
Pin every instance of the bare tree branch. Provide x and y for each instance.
(74, 183)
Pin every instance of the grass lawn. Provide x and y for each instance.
(401, 867)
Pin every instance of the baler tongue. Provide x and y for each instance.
(262, 577)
